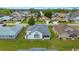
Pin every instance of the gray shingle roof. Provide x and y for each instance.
(9, 30)
(41, 28)
(63, 28)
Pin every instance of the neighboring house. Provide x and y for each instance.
(55, 22)
(24, 13)
(65, 31)
(54, 15)
(17, 16)
(2, 23)
(46, 19)
(74, 16)
(60, 16)
(64, 16)
(1, 15)
(76, 19)
(10, 32)
(38, 32)
(6, 18)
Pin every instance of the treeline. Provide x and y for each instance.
(32, 10)
(5, 11)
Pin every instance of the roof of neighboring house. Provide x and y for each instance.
(41, 28)
(17, 15)
(62, 14)
(22, 13)
(10, 30)
(60, 28)
(6, 18)
(63, 28)
(76, 13)
(76, 18)
(45, 18)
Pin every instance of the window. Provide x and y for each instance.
(10, 35)
(36, 35)
(46, 36)
(73, 35)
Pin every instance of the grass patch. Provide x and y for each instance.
(25, 21)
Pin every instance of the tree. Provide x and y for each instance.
(31, 21)
(32, 10)
(5, 11)
(48, 13)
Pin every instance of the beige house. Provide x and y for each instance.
(17, 16)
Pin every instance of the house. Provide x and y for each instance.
(74, 16)
(2, 24)
(10, 32)
(17, 16)
(54, 15)
(66, 32)
(60, 16)
(55, 22)
(6, 18)
(76, 19)
(38, 32)
(46, 19)
(24, 13)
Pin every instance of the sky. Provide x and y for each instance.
(39, 3)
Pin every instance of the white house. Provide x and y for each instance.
(38, 32)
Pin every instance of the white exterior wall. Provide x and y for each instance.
(7, 37)
(46, 38)
(32, 35)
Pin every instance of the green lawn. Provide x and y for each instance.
(14, 21)
(25, 21)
